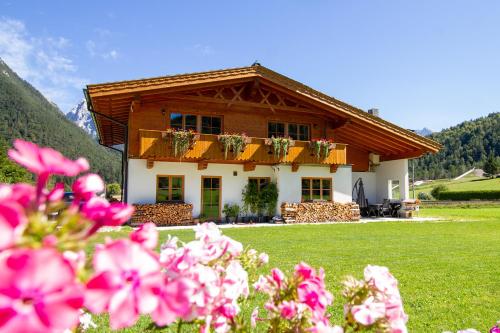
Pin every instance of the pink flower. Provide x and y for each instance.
(23, 194)
(40, 160)
(325, 328)
(495, 329)
(146, 235)
(12, 223)
(87, 186)
(304, 271)
(369, 312)
(288, 310)
(382, 279)
(103, 213)
(38, 292)
(126, 282)
(174, 301)
(263, 259)
(254, 317)
(278, 276)
(57, 193)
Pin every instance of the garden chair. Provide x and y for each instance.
(386, 209)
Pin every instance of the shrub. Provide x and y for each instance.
(231, 210)
(470, 195)
(436, 190)
(113, 189)
(424, 196)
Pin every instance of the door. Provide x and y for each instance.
(211, 196)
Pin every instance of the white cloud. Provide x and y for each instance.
(96, 50)
(41, 61)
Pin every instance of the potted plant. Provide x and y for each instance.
(181, 140)
(280, 146)
(251, 200)
(321, 147)
(231, 211)
(269, 199)
(234, 143)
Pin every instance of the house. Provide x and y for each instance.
(133, 116)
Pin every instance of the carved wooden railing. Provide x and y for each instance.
(155, 145)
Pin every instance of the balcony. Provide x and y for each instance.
(153, 145)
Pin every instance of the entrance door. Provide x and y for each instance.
(211, 196)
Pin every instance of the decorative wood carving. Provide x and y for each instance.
(333, 168)
(202, 165)
(295, 167)
(150, 164)
(249, 166)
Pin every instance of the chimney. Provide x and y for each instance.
(373, 112)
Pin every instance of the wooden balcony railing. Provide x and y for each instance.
(155, 146)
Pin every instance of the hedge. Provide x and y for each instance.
(470, 195)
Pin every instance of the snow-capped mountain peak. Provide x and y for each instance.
(82, 118)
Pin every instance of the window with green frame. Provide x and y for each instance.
(316, 189)
(169, 189)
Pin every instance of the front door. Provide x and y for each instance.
(211, 196)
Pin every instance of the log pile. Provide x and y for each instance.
(312, 212)
(163, 214)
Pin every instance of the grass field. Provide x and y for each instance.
(449, 271)
(468, 183)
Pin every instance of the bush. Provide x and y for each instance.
(113, 189)
(436, 191)
(269, 196)
(470, 195)
(231, 210)
(424, 196)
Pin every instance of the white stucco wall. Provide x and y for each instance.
(289, 183)
(392, 170)
(376, 183)
(142, 181)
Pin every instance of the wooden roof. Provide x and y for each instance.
(111, 103)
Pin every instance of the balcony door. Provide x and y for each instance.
(211, 196)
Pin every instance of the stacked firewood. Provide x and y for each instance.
(311, 212)
(163, 214)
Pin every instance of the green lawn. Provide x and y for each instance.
(449, 271)
(468, 183)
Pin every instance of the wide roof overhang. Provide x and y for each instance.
(111, 103)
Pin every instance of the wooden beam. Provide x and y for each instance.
(202, 165)
(333, 168)
(372, 140)
(295, 167)
(250, 166)
(150, 164)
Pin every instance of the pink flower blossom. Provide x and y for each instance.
(87, 186)
(12, 223)
(102, 213)
(278, 277)
(496, 328)
(304, 271)
(173, 301)
(146, 235)
(382, 279)
(263, 259)
(57, 193)
(369, 312)
(126, 282)
(23, 194)
(254, 317)
(41, 160)
(325, 328)
(288, 310)
(38, 292)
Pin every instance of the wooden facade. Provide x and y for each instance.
(246, 99)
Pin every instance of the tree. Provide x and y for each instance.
(10, 172)
(491, 166)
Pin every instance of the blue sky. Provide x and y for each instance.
(422, 63)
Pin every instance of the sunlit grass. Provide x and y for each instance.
(448, 271)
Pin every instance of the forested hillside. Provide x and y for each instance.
(465, 146)
(25, 113)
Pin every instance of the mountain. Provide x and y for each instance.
(26, 113)
(465, 146)
(80, 115)
(424, 131)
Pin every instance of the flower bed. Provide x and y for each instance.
(163, 214)
(312, 212)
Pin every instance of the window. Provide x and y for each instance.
(183, 121)
(260, 182)
(299, 132)
(169, 188)
(211, 125)
(395, 189)
(275, 129)
(316, 189)
(295, 131)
